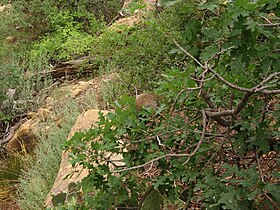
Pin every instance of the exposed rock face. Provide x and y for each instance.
(81, 87)
(134, 18)
(92, 89)
(43, 114)
(84, 122)
(24, 139)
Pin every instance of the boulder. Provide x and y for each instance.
(81, 87)
(61, 185)
(43, 114)
(24, 139)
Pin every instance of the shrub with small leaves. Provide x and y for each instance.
(215, 142)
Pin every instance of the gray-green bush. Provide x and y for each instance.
(40, 172)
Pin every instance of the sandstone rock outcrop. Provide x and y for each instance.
(61, 185)
(24, 138)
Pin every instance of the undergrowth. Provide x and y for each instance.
(39, 33)
(41, 170)
(214, 141)
(215, 65)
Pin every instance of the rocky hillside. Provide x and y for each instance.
(140, 104)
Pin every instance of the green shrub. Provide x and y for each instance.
(42, 31)
(19, 83)
(210, 141)
(67, 40)
(38, 15)
(40, 173)
(138, 54)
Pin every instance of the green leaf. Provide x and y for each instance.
(211, 33)
(273, 189)
(209, 52)
(59, 199)
(169, 2)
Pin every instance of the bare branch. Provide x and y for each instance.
(220, 114)
(255, 89)
(230, 84)
(271, 92)
(204, 123)
(190, 55)
(147, 163)
(195, 88)
(251, 90)
(203, 80)
(239, 107)
(221, 52)
(262, 88)
(269, 24)
(273, 203)
(159, 142)
(10, 133)
(208, 68)
(208, 100)
(217, 115)
(270, 77)
(266, 19)
(242, 103)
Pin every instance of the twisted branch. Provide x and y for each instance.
(217, 115)
(204, 123)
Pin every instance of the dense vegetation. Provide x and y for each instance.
(213, 142)
(25, 29)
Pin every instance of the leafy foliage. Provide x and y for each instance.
(67, 41)
(138, 54)
(209, 144)
(39, 172)
(213, 142)
(32, 33)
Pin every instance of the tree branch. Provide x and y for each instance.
(207, 68)
(204, 123)
(203, 80)
(271, 92)
(269, 78)
(257, 89)
(242, 103)
(190, 55)
(269, 24)
(208, 100)
(219, 114)
(218, 76)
